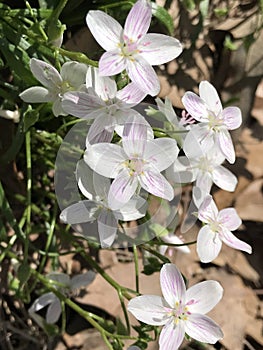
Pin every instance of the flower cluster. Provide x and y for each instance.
(124, 161)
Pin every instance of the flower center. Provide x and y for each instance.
(204, 165)
(179, 312)
(135, 166)
(214, 121)
(128, 48)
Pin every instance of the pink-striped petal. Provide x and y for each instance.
(203, 296)
(102, 128)
(232, 241)
(232, 117)
(172, 285)
(208, 210)
(203, 329)
(172, 335)
(46, 74)
(138, 20)
(134, 137)
(224, 179)
(111, 63)
(226, 145)
(195, 106)
(104, 87)
(158, 48)
(208, 244)
(210, 96)
(155, 183)
(161, 152)
(131, 94)
(204, 181)
(105, 29)
(105, 158)
(143, 74)
(107, 227)
(122, 189)
(229, 219)
(150, 309)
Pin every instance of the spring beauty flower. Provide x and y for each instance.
(95, 188)
(217, 229)
(180, 311)
(102, 102)
(64, 284)
(214, 120)
(131, 48)
(71, 77)
(137, 163)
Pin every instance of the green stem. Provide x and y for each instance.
(78, 56)
(135, 254)
(28, 189)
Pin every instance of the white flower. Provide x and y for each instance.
(138, 163)
(70, 78)
(131, 48)
(214, 120)
(180, 311)
(217, 229)
(102, 102)
(66, 286)
(202, 166)
(96, 187)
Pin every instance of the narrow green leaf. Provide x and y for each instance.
(23, 273)
(31, 116)
(164, 17)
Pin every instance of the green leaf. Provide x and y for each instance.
(31, 116)
(189, 4)
(152, 266)
(221, 12)
(229, 44)
(204, 6)
(163, 16)
(23, 273)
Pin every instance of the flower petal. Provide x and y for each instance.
(82, 104)
(172, 284)
(111, 63)
(104, 87)
(154, 182)
(102, 128)
(210, 96)
(143, 74)
(226, 145)
(105, 29)
(192, 147)
(37, 94)
(224, 179)
(158, 48)
(82, 280)
(232, 241)
(172, 335)
(134, 138)
(195, 106)
(131, 94)
(42, 301)
(208, 244)
(203, 296)
(150, 309)
(203, 329)
(57, 108)
(46, 74)
(105, 158)
(229, 219)
(133, 210)
(54, 311)
(74, 73)
(208, 210)
(204, 181)
(107, 226)
(232, 117)
(122, 189)
(138, 20)
(161, 152)
(175, 240)
(83, 211)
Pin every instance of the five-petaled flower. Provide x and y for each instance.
(71, 78)
(138, 163)
(180, 311)
(131, 48)
(214, 120)
(217, 229)
(102, 102)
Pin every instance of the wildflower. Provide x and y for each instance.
(217, 229)
(96, 187)
(180, 311)
(138, 163)
(102, 102)
(70, 78)
(131, 48)
(66, 286)
(214, 120)
(202, 167)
